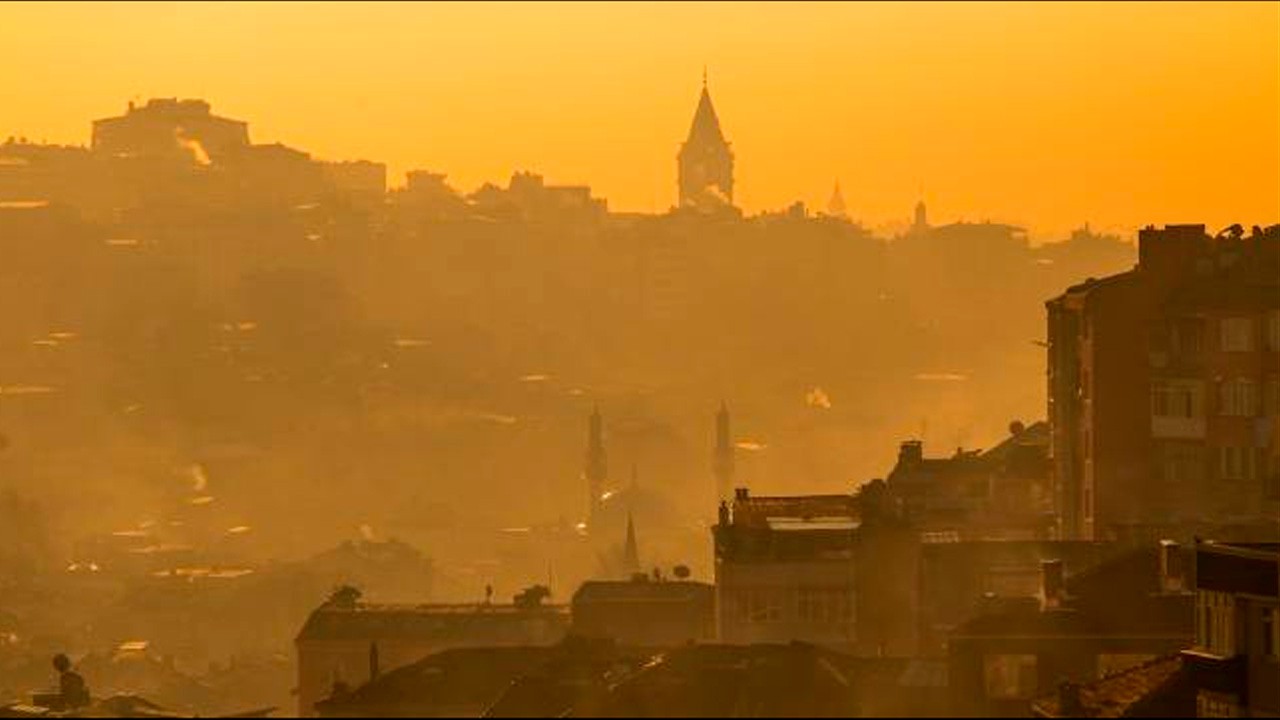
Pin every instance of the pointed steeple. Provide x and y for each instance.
(706, 125)
(705, 160)
(631, 551)
(835, 206)
(723, 462)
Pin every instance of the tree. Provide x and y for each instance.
(345, 596)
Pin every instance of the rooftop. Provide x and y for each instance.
(1157, 688)
(499, 624)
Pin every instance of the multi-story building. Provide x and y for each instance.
(785, 569)
(1117, 615)
(1001, 493)
(1164, 389)
(1235, 664)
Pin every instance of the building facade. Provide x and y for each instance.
(1164, 389)
(349, 643)
(785, 571)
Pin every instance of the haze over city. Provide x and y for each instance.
(640, 360)
(1045, 116)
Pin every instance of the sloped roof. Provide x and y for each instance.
(1157, 688)
(705, 129)
(495, 624)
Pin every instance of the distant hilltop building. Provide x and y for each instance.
(169, 126)
(705, 160)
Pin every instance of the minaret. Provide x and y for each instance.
(596, 470)
(835, 206)
(705, 162)
(722, 464)
(922, 217)
(631, 551)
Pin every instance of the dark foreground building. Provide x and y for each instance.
(1164, 390)
(1233, 669)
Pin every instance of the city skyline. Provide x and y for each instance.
(889, 127)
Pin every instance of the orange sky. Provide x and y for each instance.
(1047, 115)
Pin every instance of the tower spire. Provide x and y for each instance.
(631, 551)
(836, 206)
(722, 464)
(705, 161)
(596, 468)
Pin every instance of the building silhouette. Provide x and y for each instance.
(705, 161)
(921, 221)
(170, 127)
(836, 206)
(1163, 389)
(631, 551)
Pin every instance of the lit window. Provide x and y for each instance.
(1237, 334)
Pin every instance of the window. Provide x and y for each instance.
(1182, 463)
(1010, 677)
(760, 606)
(1237, 463)
(1174, 398)
(1238, 397)
(825, 606)
(1237, 334)
(1215, 623)
(1271, 399)
(1187, 337)
(1273, 330)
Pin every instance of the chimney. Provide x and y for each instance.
(910, 452)
(724, 514)
(1052, 584)
(373, 661)
(1172, 578)
(1069, 704)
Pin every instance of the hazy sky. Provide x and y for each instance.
(1047, 115)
